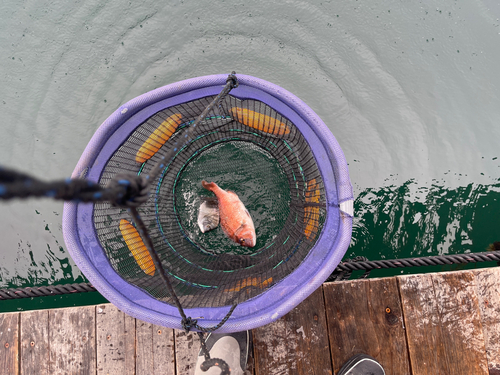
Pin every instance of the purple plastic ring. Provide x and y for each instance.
(271, 304)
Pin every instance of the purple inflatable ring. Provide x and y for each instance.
(274, 302)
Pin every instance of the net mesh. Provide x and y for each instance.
(244, 146)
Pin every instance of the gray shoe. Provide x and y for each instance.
(362, 364)
(232, 348)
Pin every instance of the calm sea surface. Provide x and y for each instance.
(410, 90)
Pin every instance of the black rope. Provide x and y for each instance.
(437, 260)
(43, 291)
(425, 261)
(346, 274)
(344, 268)
(187, 322)
(125, 190)
(231, 82)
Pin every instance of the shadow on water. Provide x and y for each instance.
(415, 221)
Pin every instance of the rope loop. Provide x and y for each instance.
(188, 323)
(132, 190)
(221, 323)
(232, 78)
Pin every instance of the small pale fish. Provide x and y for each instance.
(234, 217)
(208, 215)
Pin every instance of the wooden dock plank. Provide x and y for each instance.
(422, 324)
(9, 341)
(144, 347)
(154, 349)
(295, 344)
(163, 351)
(488, 292)
(72, 340)
(365, 316)
(35, 342)
(270, 349)
(452, 323)
(187, 346)
(387, 316)
(115, 341)
(461, 322)
(443, 324)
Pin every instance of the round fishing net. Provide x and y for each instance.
(258, 141)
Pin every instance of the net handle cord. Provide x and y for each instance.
(124, 190)
(231, 83)
(127, 191)
(187, 322)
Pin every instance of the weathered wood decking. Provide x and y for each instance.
(443, 323)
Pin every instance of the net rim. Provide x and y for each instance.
(272, 303)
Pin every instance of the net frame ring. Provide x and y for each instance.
(274, 302)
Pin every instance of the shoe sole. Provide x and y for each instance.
(356, 360)
(243, 339)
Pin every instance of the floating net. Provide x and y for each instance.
(260, 142)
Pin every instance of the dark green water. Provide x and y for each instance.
(413, 221)
(410, 91)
